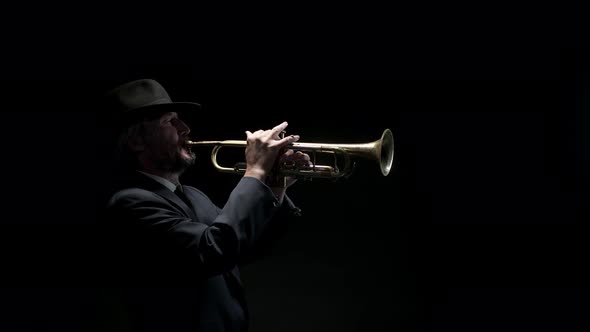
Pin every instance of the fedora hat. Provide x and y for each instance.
(144, 98)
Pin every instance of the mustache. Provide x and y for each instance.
(183, 140)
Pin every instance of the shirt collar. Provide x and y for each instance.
(166, 183)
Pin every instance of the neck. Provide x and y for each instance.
(170, 176)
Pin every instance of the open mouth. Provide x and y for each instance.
(184, 145)
(186, 150)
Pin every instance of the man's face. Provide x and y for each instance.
(165, 146)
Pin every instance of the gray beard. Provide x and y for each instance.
(175, 163)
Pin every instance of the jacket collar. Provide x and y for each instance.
(145, 182)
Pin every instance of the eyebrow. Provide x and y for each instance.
(169, 115)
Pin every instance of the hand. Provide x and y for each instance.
(263, 148)
(279, 185)
(297, 160)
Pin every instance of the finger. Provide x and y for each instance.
(302, 163)
(277, 130)
(276, 135)
(253, 135)
(303, 159)
(287, 140)
(287, 155)
(303, 156)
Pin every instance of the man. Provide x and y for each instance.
(173, 254)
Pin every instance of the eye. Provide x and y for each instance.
(168, 118)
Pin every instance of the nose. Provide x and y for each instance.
(182, 128)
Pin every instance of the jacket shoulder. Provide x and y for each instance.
(132, 194)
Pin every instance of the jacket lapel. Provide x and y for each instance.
(152, 185)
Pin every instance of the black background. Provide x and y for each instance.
(481, 226)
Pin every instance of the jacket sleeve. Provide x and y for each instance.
(286, 215)
(212, 249)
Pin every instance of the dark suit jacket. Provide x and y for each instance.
(176, 266)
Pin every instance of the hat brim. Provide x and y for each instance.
(184, 109)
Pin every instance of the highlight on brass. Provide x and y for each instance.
(381, 151)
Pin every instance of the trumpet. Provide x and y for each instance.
(381, 151)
